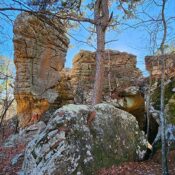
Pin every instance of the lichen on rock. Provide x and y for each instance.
(69, 145)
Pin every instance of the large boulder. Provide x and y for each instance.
(40, 52)
(80, 139)
(131, 100)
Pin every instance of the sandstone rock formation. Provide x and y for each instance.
(153, 65)
(69, 146)
(120, 73)
(42, 81)
(121, 86)
(40, 52)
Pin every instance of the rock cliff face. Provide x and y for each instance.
(153, 65)
(40, 54)
(120, 73)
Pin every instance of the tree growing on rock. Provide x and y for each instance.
(102, 14)
(102, 18)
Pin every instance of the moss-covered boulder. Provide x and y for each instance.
(80, 139)
(169, 100)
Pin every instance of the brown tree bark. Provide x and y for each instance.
(101, 16)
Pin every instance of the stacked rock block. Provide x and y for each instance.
(120, 73)
(153, 65)
(40, 52)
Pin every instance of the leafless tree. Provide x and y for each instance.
(162, 97)
(6, 84)
(159, 26)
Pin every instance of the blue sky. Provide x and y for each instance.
(135, 41)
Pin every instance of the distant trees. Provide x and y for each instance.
(6, 86)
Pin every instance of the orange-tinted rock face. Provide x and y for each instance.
(39, 58)
(153, 65)
(28, 107)
(120, 73)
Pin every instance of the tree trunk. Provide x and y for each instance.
(162, 97)
(163, 121)
(101, 17)
(99, 76)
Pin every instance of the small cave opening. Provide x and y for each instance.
(152, 133)
(141, 117)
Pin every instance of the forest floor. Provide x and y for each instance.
(149, 167)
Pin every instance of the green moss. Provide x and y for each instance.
(169, 100)
(172, 121)
(78, 134)
(168, 94)
(103, 155)
(171, 111)
(103, 158)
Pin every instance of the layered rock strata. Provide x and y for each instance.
(40, 52)
(153, 65)
(120, 73)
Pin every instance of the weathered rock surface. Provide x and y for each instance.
(120, 73)
(40, 52)
(25, 135)
(169, 99)
(132, 101)
(121, 85)
(71, 144)
(153, 65)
